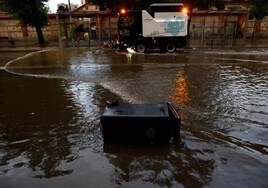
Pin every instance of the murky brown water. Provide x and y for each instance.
(51, 102)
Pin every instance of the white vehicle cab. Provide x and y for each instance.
(162, 25)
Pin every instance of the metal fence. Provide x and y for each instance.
(214, 33)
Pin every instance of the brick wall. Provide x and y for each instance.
(201, 28)
(11, 28)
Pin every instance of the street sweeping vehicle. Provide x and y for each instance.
(162, 26)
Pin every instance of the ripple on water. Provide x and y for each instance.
(221, 97)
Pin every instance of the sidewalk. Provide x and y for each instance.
(25, 46)
(21, 48)
(30, 46)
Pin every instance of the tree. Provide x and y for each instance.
(61, 8)
(29, 12)
(219, 4)
(116, 5)
(113, 5)
(259, 9)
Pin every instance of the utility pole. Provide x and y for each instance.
(71, 26)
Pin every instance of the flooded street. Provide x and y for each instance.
(51, 103)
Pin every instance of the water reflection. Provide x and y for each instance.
(180, 95)
(161, 165)
(49, 122)
(34, 130)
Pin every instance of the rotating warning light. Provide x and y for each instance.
(123, 11)
(185, 10)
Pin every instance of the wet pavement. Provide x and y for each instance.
(51, 102)
(5, 57)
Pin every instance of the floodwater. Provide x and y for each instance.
(51, 103)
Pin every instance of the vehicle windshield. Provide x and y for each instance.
(126, 24)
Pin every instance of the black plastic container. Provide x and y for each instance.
(140, 123)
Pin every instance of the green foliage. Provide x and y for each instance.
(219, 4)
(202, 4)
(29, 12)
(116, 5)
(205, 4)
(259, 9)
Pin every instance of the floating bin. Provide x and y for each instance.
(140, 123)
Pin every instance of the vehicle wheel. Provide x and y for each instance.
(140, 47)
(171, 47)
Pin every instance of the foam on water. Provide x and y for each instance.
(239, 52)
